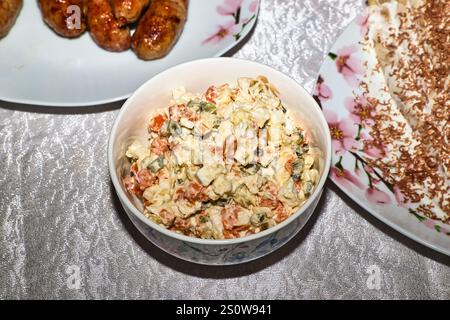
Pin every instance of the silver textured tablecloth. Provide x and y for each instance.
(64, 235)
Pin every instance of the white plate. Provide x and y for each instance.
(332, 93)
(40, 68)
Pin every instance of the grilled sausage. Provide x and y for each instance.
(128, 11)
(105, 29)
(9, 10)
(58, 14)
(159, 28)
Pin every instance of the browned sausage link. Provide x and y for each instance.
(159, 28)
(9, 10)
(129, 11)
(105, 29)
(62, 16)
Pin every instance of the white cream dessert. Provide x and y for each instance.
(409, 42)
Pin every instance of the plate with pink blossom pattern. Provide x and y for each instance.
(350, 107)
(56, 71)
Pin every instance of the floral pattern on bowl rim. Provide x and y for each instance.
(221, 255)
(348, 114)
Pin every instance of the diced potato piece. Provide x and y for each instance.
(182, 153)
(289, 125)
(211, 193)
(137, 151)
(268, 172)
(187, 209)
(158, 194)
(282, 176)
(275, 135)
(216, 221)
(278, 118)
(311, 175)
(241, 115)
(309, 161)
(267, 156)
(205, 124)
(243, 217)
(288, 195)
(186, 123)
(224, 96)
(222, 185)
(261, 116)
(253, 183)
(207, 174)
(244, 197)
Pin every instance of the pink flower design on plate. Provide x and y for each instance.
(372, 148)
(363, 22)
(377, 196)
(361, 111)
(348, 65)
(322, 91)
(399, 197)
(358, 171)
(224, 31)
(373, 151)
(429, 223)
(342, 132)
(253, 6)
(229, 8)
(345, 178)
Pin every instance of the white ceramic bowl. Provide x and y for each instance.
(197, 76)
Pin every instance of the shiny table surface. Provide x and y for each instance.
(63, 233)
